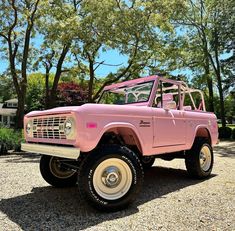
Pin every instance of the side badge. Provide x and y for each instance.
(144, 124)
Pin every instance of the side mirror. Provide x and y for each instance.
(170, 105)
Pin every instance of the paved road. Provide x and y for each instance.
(170, 200)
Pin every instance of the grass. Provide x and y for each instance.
(232, 126)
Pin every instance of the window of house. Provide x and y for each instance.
(12, 119)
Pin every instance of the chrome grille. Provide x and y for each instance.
(49, 127)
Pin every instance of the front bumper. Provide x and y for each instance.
(52, 150)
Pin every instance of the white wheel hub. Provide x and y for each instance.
(205, 158)
(112, 178)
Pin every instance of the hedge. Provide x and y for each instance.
(233, 134)
(225, 132)
(10, 139)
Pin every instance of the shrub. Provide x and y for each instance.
(225, 132)
(9, 139)
(233, 134)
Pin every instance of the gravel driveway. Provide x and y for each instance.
(170, 200)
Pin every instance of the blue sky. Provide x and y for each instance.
(3, 65)
(111, 57)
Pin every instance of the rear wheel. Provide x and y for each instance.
(110, 177)
(55, 174)
(199, 159)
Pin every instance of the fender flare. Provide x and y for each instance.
(122, 125)
(203, 126)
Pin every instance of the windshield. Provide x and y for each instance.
(137, 93)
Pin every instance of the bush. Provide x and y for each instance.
(233, 134)
(225, 132)
(9, 140)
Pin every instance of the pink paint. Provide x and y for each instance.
(164, 130)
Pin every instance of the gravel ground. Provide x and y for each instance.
(170, 200)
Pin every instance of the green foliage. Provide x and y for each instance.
(10, 139)
(35, 92)
(35, 98)
(225, 132)
(155, 37)
(230, 107)
(7, 90)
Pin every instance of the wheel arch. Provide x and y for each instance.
(128, 133)
(202, 131)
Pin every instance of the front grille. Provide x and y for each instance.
(49, 128)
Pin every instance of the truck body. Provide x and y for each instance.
(151, 116)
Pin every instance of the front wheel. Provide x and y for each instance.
(199, 159)
(55, 174)
(110, 177)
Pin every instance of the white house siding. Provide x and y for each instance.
(7, 116)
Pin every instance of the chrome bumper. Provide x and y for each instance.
(51, 150)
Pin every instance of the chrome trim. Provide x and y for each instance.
(50, 127)
(52, 150)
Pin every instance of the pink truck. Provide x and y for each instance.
(105, 147)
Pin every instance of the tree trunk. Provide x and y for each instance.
(47, 95)
(53, 93)
(20, 112)
(219, 79)
(52, 99)
(11, 37)
(91, 81)
(209, 84)
(211, 95)
(221, 97)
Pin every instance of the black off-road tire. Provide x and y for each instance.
(91, 177)
(147, 162)
(49, 174)
(192, 159)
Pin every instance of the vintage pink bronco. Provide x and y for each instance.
(104, 147)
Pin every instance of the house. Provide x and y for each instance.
(8, 112)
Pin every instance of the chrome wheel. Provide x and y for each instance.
(112, 179)
(205, 158)
(57, 170)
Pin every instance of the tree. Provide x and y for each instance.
(57, 26)
(35, 92)
(210, 22)
(71, 93)
(16, 30)
(6, 90)
(127, 27)
(87, 28)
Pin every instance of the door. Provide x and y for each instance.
(169, 127)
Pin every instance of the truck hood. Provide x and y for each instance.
(89, 107)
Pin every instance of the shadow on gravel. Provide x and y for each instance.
(226, 150)
(21, 158)
(48, 208)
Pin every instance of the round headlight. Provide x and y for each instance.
(28, 127)
(68, 126)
